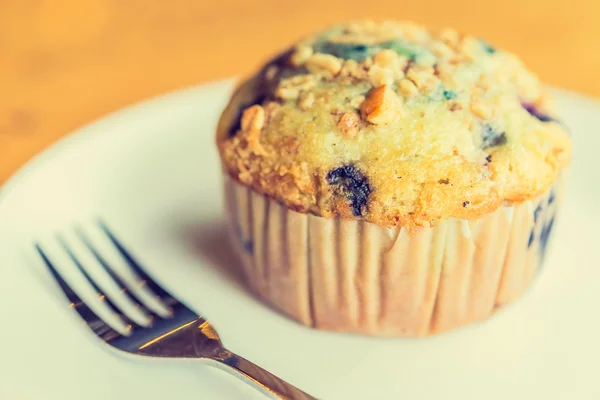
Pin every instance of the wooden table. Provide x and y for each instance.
(64, 63)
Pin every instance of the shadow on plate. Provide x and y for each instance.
(210, 241)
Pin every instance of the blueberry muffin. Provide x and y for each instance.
(388, 179)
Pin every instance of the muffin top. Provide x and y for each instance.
(395, 124)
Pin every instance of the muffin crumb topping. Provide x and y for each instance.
(325, 64)
(381, 106)
(348, 124)
(253, 119)
(421, 112)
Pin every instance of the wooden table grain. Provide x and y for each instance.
(64, 63)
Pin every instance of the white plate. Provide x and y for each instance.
(152, 172)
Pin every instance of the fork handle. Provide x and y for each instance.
(259, 378)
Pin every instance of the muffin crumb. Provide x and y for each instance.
(450, 37)
(253, 119)
(306, 100)
(380, 76)
(348, 124)
(327, 64)
(386, 58)
(423, 77)
(290, 88)
(352, 69)
(301, 55)
(408, 88)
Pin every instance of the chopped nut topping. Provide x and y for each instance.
(348, 124)
(287, 93)
(306, 100)
(380, 76)
(301, 55)
(253, 119)
(450, 37)
(423, 77)
(353, 69)
(390, 60)
(290, 88)
(324, 63)
(381, 106)
(469, 47)
(270, 109)
(386, 58)
(408, 88)
(441, 50)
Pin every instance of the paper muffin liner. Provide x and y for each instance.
(355, 276)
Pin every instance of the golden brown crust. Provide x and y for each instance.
(394, 124)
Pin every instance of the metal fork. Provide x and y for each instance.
(153, 323)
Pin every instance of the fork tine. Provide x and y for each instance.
(129, 294)
(97, 325)
(96, 288)
(165, 296)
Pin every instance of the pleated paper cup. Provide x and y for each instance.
(355, 276)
